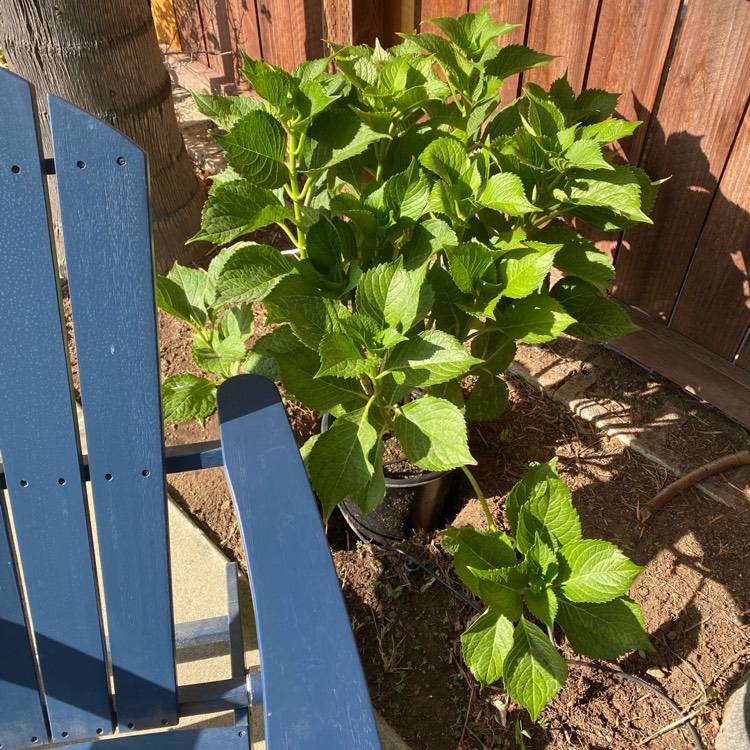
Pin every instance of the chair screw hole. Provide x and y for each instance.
(24, 483)
(131, 725)
(121, 160)
(63, 734)
(241, 733)
(15, 169)
(108, 477)
(35, 739)
(61, 481)
(100, 731)
(164, 722)
(146, 473)
(81, 164)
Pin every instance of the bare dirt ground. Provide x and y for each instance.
(694, 590)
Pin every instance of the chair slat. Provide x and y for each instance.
(103, 186)
(21, 716)
(215, 738)
(39, 442)
(313, 698)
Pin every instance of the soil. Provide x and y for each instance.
(694, 589)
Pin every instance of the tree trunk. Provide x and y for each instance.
(103, 56)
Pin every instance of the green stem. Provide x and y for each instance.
(293, 148)
(480, 497)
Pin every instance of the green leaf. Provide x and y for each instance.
(237, 208)
(187, 397)
(237, 321)
(447, 158)
(340, 356)
(224, 110)
(477, 550)
(432, 433)
(406, 193)
(505, 193)
(171, 298)
(429, 358)
(271, 83)
(609, 130)
(542, 604)
(496, 349)
(595, 571)
(523, 271)
(603, 320)
(373, 493)
(533, 672)
(605, 630)
(449, 299)
(549, 513)
(523, 491)
(198, 287)
(391, 295)
(485, 646)
(489, 397)
(251, 272)
(298, 370)
(429, 237)
(467, 263)
(578, 257)
(515, 58)
(339, 462)
(597, 103)
(534, 319)
(219, 357)
(587, 155)
(574, 294)
(450, 391)
(256, 147)
(501, 589)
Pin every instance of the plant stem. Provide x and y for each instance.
(293, 148)
(480, 497)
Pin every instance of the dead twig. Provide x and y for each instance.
(672, 726)
(731, 461)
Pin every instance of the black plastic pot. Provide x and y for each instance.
(410, 505)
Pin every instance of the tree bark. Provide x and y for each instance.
(103, 56)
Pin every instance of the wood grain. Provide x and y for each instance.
(629, 51)
(692, 367)
(244, 33)
(703, 102)
(743, 360)
(438, 8)
(190, 29)
(291, 31)
(714, 305)
(562, 29)
(166, 23)
(398, 16)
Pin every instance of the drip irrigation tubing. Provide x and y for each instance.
(411, 565)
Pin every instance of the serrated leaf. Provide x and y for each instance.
(239, 207)
(198, 287)
(496, 349)
(251, 272)
(406, 193)
(609, 130)
(340, 356)
(449, 300)
(534, 319)
(595, 571)
(298, 369)
(187, 397)
(447, 158)
(574, 294)
(522, 491)
(171, 298)
(534, 671)
(467, 264)
(339, 462)
(478, 550)
(373, 493)
(502, 590)
(224, 110)
(578, 257)
(597, 103)
(504, 192)
(432, 433)
(603, 320)
(450, 391)
(523, 271)
(256, 147)
(604, 630)
(220, 356)
(587, 154)
(237, 321)
(485, 646)
(549, 513)
(429, 358)
(272, 83)
(488, 399)
(542, 604)
(515, 58)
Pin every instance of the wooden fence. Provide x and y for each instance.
(683, 67)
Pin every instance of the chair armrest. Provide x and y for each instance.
(314, 692)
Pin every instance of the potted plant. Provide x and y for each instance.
(426, 218)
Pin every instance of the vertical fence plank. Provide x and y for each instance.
(438, 8)
(166, 24)
(217, 38)
(629, 52)
(291, 31)
(719, 277)
(565, 30)
(191, 29)
(703, 102)
(398, 15)
(244, 34)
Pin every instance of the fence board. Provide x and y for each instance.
(438, 8)
(562, 29)
(629, 52)
(719, 277)
(191, 29)
(243, 30)
(703, 102)
(291, 31)
(165, 22)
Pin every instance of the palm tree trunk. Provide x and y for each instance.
(103, 56)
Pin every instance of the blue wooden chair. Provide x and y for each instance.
(77, 666)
